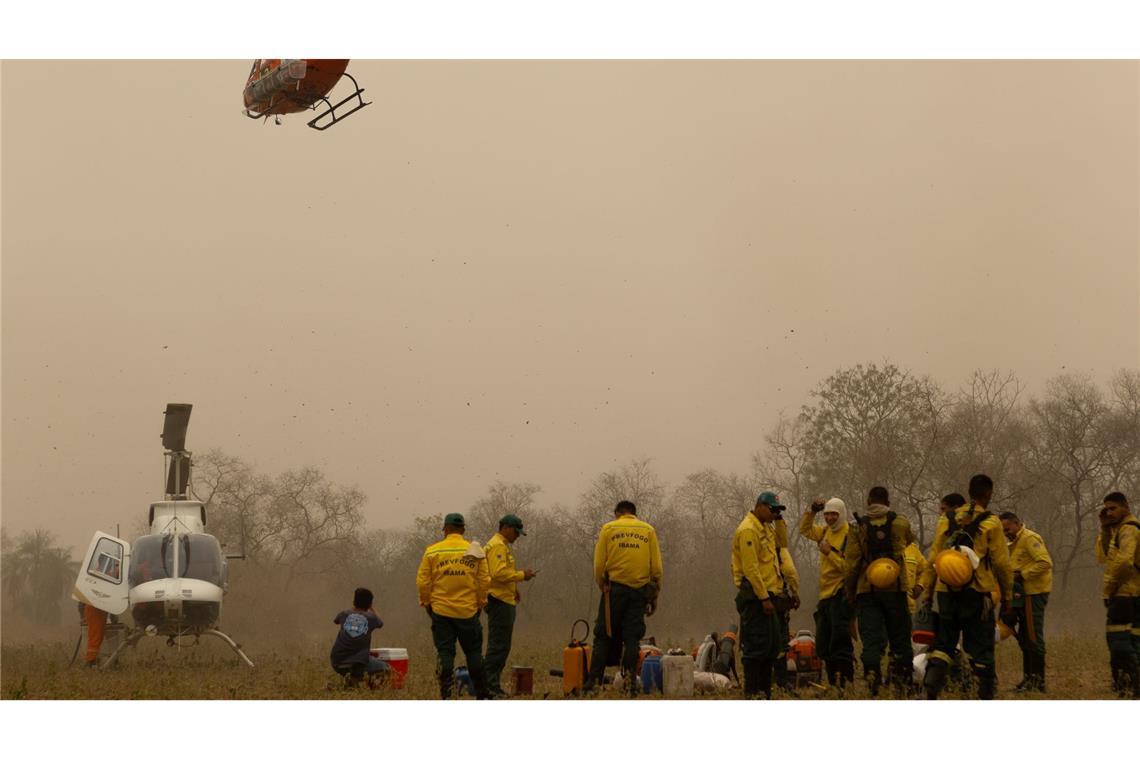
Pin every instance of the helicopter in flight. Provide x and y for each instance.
(277, 86)
(173, 579)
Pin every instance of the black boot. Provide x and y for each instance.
(751, 679)
(446, 685)
(874, 678)
(1026, 671)
(765, 675)
(780, 673)
(987, 681)
(480, 683)
(935, 679)
(1118, 680)
(902, 678)
(1039, 672)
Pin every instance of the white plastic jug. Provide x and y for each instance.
(677, 676)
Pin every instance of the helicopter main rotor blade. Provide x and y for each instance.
(174, 426)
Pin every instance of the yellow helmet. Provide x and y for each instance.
(1004, 631)
(883, 572)
(953, 568)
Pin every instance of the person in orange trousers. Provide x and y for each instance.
(96, 626)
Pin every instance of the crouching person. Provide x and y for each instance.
(350, 656)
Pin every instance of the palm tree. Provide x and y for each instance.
(37, 575)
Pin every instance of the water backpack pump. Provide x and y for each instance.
(575, 661)
(883, 569)
(956, 564)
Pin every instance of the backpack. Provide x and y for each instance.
(1116, 541)
(964, 535)
(879, 539)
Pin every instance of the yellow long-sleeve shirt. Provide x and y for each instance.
(914, 564)
(627, 553)
(994, 573)
(1116, 550)
(754, 557)
(501, 566)
(1030, 559)
(453, 579)
(831, 563)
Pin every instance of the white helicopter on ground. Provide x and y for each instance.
(172, 579)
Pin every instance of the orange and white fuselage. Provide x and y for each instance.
(289, 85)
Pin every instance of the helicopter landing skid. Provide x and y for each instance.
(331, 109)
(233, 644)
(131, 640)
(137, 634)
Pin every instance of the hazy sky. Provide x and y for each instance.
(533, 270)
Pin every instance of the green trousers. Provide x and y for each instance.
(500, 626)
(885, 617)
(967, 613)
(1031, 623)
(759, 641)
(445, 632)
(833, 637)
(1122, 632)
(627, 614)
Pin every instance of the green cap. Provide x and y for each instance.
(769, 498)
(512, 521)
(455, 519)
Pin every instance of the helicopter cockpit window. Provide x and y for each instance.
(107, 561)
(152, 559)
(202, 558)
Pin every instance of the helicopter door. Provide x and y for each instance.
(102, 580)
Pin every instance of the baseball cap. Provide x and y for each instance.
(455, 519)
(513, 521)
(769, 498)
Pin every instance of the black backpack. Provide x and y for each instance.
(964, 535)
(879, 538)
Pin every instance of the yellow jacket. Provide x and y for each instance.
(994, 573)
(1030, 559)
(914, 564)
(501, 566)
(854, 567)
(830, 564)
(452, 579)
(627, 553)
(1116, 550)
(754, 557)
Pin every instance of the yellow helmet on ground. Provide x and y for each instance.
(883, 572)
(953, 568)
(1004, 631)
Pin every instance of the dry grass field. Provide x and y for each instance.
(1077, 670)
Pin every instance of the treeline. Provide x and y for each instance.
(1053, 458)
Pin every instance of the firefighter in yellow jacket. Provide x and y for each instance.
(970, 559)
(759, 581)
(877, 588)
(453, 582)
(502, 599)
(914, 565)
(833, 613)
(1032, 583)
(627, 569)
(1118, 549)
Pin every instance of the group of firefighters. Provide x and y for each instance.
(982, 568)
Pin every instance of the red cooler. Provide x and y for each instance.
(397, 659)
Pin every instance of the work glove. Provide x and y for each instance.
(817, 505)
